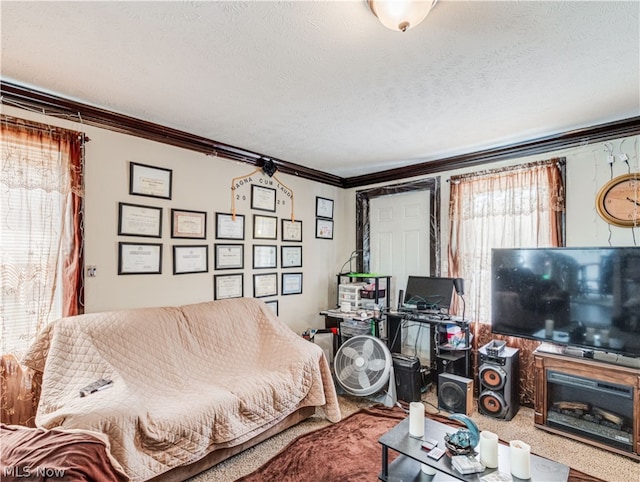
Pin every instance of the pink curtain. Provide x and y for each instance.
(41, 240)
(19, 392)
(518, 206)
(73, 294)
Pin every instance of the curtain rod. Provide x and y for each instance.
(560, 161)
(40, 127)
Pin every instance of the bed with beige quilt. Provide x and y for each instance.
(192, 384)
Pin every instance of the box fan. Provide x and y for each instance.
(363, 367)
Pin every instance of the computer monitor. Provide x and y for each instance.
(436, 293)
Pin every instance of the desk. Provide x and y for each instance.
(333, 319)
(346, 315)
(394, 334)
(406, 467)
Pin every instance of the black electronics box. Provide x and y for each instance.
(450, 362)
(408, 377)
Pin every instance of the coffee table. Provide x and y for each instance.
(407, 466)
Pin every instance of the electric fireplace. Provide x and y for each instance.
(599, 410)
(587, 400)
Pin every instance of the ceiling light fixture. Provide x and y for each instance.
(401, 15)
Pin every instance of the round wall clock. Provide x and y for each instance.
(618, 201)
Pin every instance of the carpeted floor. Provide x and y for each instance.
(346, 451)
(582, 457)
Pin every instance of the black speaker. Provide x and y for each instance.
(450, 362)
(408, 377)
(455, 393)
(498, 376)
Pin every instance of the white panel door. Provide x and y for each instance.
(400, 246)
(399, 230)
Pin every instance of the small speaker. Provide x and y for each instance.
(408, 377)
(455, 393)
(498, 375)
(450, 362)
(400, 299)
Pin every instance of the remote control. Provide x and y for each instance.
(436, 453)
(95, 387)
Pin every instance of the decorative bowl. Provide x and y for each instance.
(464, 441)
(457, 449)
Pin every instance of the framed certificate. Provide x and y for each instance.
(228, 228)
(324, 208)
(188, 224)
(273, 304)
(264, 256)
(265, 227)
(228, 286)
(291, 256)
(139, 258)
(136, 220)
(229, 256)
(190, 259)
(291, 230)
(149, 181)
(324, 228)
(263, 198)
(291, 283)
(265, 285)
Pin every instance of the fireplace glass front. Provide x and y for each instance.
(594, 409)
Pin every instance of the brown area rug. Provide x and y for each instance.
(345, 451)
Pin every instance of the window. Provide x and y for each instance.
(40, 229)
(503, 208)
(513, 207)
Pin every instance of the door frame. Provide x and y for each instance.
(363, 228)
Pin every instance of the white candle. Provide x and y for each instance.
(428, 470)
(416, 419)
(520, 459)
(548, 328)
(590, 333)
(488, 449)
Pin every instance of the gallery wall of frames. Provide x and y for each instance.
(274, 245)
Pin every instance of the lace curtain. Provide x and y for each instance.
(520, 206)
(40, 228)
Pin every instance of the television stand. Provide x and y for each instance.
(588, 400)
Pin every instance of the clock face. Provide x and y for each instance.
(618, 201)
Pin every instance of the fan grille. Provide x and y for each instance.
(362, 365)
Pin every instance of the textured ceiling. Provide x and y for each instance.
(324, 84)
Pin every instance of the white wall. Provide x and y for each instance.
(588, 169)
(200, 183)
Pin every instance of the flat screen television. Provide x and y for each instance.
(583, 297)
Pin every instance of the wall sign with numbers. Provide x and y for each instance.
(265, 193)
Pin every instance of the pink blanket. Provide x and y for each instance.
(39, 455)
(186, 380)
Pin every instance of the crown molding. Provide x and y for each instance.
(21, 96)
(577, 137)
